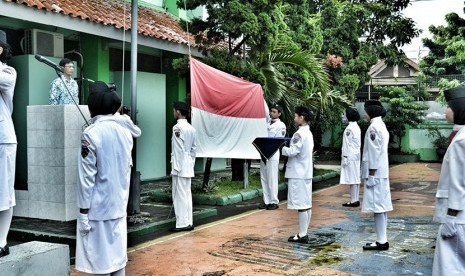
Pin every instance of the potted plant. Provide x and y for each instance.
(439, 141)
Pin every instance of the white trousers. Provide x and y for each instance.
(7, 176)
(449, 255)
(182, 201)
(269, 176)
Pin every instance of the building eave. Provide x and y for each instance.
(22, 12)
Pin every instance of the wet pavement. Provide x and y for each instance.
(255, 242)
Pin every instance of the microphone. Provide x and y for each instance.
(49, 63)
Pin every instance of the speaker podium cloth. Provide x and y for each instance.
(228, 113)
(268, 146)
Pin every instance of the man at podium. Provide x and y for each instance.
(64, 89)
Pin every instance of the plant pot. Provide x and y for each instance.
(440, 152)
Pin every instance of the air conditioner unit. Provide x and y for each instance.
(38, 42)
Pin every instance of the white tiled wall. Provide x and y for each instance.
(53, 141)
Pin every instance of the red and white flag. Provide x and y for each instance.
(228, 113)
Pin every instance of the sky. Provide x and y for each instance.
(426, 13)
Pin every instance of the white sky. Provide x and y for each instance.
(426, 13)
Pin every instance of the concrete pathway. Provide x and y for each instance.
(255, 243)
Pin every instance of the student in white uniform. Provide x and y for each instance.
(350, 162)
(183, 145)
(449, 255)
(7, 144)
(299, 172)
(124, 120)
(375, 172)
(104, 166)
(269, 172)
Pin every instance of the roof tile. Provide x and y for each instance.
(151, 23)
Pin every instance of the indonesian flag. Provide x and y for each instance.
(228, 113)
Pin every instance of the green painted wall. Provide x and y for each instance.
(171, 7)
(417, 140)
(217, 164)
(176, 88)
(151, 117)
(96, 59)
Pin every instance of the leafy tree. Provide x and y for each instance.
(445, 84)
(403, 110)
(357, 31)
(447, 48)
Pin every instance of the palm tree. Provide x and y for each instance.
(278, 88)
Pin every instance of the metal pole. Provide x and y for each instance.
(246, 174)
(134, 199)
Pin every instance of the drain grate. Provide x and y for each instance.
(274, 253)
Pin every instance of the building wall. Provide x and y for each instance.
(96, 60)
(32, 88)
(151, 118)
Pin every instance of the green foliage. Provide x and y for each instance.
(439, 141)
(447, 48)
(403, 110)
(444, 85)
(286, 40)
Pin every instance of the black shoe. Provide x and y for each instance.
(377, 246)
(351, 204)
(298, 239)
(272, 206)
(187, 228)
(263, 206)
(4, 251)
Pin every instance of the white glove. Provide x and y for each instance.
(371, 181)
(448, 229)
(83, 224)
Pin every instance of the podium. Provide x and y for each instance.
(53, 145)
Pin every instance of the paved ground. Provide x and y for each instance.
(255, 243)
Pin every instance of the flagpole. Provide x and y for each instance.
(134, 199)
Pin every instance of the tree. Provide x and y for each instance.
(357, 31)
(402, 111)
(447, 48)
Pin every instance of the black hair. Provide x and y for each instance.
(374, 109)
(102, 99)
(7, 51)
(277, 107)
(306, 112)
(455, 98)
(65, 61)
(182, 107)
(352, 114)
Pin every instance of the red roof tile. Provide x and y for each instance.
(151, 22)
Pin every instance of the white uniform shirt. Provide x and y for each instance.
(104, 169)
(351, 142)
(451, 186)
(7, 87)
(126, 122)
(183, 145)
(300, 152)
(375, 149)
(276, 128)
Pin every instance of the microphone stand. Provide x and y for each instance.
(71, 95)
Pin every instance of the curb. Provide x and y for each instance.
(201, 199)
(167, 223)
(133, 232)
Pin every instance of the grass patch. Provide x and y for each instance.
(323, 258)
(224, 186)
